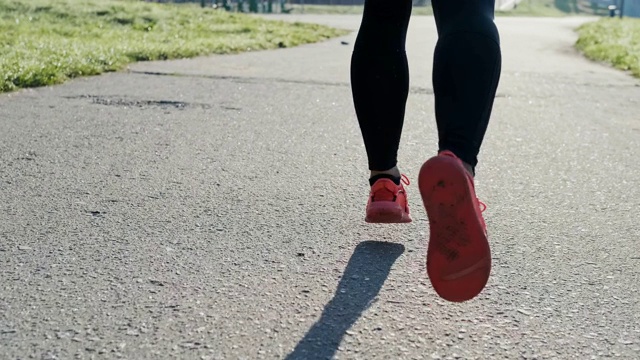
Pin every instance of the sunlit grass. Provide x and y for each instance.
(614, 41)
(45, 42)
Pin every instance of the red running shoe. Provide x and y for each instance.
(388, 202)
(458, 256)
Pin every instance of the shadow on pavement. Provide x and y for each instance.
(366, 271)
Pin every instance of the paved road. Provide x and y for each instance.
(213, 209)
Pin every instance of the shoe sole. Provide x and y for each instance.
(458, 256)
(386, 213)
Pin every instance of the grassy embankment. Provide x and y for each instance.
(46, 42)
(613, 41)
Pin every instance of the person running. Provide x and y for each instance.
(466, 70)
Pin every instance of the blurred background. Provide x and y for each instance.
(630, 8)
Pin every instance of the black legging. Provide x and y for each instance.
(466, 71)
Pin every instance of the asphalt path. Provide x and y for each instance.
(213, 208)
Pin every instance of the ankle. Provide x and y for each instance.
(469, 169)
(393, 172)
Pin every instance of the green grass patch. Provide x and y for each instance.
(613, 41)
(46, 42)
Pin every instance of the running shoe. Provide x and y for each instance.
(458, 256)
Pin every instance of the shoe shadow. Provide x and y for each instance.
(362, 280)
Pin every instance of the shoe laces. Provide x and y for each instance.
(396, 189)
(482, 205)
(405, 179)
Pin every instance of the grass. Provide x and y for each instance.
(613, 41)
(46, 42)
